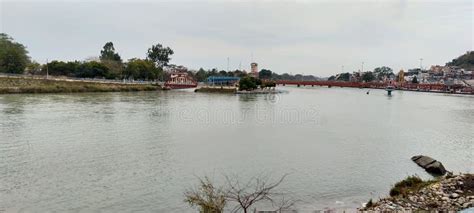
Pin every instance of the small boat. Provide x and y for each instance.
(389, 89)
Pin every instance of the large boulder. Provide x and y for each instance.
(423, 161)
(429, 164)
(436, 168)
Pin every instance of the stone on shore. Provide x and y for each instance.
(429, 164)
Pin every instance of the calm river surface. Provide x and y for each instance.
(123, 152)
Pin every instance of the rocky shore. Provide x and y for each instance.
(450, 193)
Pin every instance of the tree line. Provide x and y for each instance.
(379, 74)
(109, 65)
(465, 61)
(201, 75)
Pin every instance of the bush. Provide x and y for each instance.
(409, 184)
(248, 83)
(13, 55)
(208, 198)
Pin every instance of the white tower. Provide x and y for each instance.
(254, 69)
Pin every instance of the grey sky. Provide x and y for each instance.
(310, 37)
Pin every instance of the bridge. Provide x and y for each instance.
(379, 85)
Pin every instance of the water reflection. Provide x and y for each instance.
(139, 151)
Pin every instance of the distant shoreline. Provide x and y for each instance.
(21, 85)
(397, 89)
(35, 84)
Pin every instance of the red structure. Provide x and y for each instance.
(378, 85)
(180, 80)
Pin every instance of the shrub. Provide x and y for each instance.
(208, 198)
(409, 184)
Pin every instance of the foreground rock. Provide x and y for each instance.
(450, 193)
(429, 164)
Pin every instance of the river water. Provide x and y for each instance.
(123, 152)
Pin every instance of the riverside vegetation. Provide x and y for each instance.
(109, 64)
(30, 85)
(14, 59)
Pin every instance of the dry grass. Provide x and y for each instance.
(409, 184)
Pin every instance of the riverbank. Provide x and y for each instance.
(223, 89)
(216, 89)
(450, 193)
(15, 85)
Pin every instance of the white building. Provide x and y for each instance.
(254, 69)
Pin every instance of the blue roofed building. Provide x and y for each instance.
(222, 80)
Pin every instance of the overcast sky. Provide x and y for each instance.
(310, 37)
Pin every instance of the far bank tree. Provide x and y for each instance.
(381, 72)
(112, 61)
(108, 53)
(248, 83)
(142, 69)
(265, 74)
(160, 55)
(368, 77)
(13, 55)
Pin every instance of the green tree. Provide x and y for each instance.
(344, 77)
(381, 72)
(141, 69)
(368, 77)
(115, 69)
(248, 83)
(160, 55)
(13, 55)
(208, 198)
(222, 73)
(201, 75)
(92, 69)
(61, 68)
(265, 74)
(108, 53)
